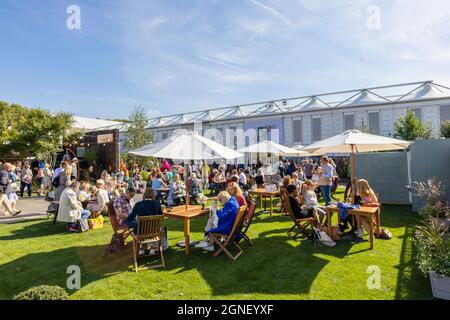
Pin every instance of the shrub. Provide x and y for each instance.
(445, 129)
(43, 292)
(433, 236)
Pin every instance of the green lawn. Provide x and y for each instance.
(38, 252)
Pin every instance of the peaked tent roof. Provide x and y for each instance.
(363, 97)
(93, 124)
(312, 103)
(426, 91)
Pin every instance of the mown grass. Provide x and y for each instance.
(38, 252)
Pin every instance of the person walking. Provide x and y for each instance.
(64, 179)
(26, 179)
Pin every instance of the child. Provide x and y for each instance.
(309, 194)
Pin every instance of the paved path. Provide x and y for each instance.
(34, 208)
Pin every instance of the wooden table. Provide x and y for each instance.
(369, 212)
(261, 192)
(192, 212)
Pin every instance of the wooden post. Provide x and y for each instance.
(186, 174)
(353, 174)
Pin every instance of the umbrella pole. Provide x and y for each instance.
(187, 183)
(353, 174)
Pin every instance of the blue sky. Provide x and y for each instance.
(173, 56)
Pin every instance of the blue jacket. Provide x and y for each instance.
(227, 216)
(346, 206)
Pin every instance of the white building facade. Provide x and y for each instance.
(304, 120)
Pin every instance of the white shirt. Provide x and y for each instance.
(242, 178)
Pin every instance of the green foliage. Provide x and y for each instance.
(90, 156)
(433, 247)
(433, 236)
(43, 292)
(136, 135)
(364, 127)
(26, 132)
(409, 127)
(445, 129)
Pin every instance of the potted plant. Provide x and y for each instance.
(433, 238)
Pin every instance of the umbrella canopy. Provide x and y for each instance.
(361, 142)
(352, 141)
(272, 147)
(187, 146)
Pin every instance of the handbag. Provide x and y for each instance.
(55, 181)
(82, 225)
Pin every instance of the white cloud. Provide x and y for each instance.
(273, 12)
(151, 24)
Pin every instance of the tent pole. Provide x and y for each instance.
(353, 174)
(186, 172)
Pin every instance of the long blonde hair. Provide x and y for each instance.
(68, 170)
(236, 187)
(364, 187)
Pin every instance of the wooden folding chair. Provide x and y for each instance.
(230, 238)
(300, 224)
(283, 191)
(125, 232)
(150, 233)
(251, 207)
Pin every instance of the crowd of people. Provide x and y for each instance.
(304, 182)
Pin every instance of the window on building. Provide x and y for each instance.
(444, 112)
(349, 121)
(297, 130)
(316, 129)
(164, 135)
(417, 112)
(374, 122)
(262, 134)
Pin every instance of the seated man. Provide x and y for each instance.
(298, 207)
(221, 221)
(124, 204)
(147, 207)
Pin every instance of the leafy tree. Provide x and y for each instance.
(26, 132)
(136, 135)
(409, 127)
(364, 127)
(445, 129)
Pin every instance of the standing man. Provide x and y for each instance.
(309, 169)
(326, 179)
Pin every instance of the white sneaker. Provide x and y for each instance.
(202, 244)
(209, 248)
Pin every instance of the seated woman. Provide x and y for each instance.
(102, 198)
(219, 181)
(177, 191)
(236, 191)
(368, 199)
(259, 179)
(70, 209)
(194, 186)
(147, 207)
(221, 221)
(299, 208)
(310, 197)
(296, 181)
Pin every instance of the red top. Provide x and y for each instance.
(241, 201)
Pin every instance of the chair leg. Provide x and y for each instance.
(247, 239)
(162, 255)
(135, 255)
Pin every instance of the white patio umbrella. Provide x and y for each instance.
(352, 141)
(187, 146)
(268, 146)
